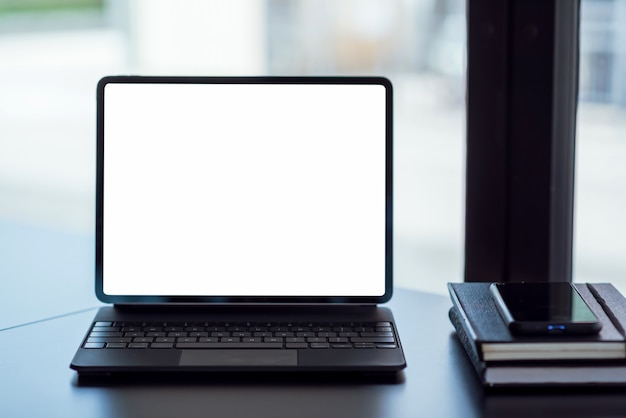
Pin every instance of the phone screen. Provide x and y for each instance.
(550, 308)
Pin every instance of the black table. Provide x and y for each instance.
(44, 272)
(438, 382)
(47, 302)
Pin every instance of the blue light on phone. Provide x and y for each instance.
(556, 327)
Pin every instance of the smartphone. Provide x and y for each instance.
(544, 308)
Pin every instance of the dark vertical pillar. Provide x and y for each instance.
(521, 115)
(487, 149)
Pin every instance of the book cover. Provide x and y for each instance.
(491, 340)
(537, 373)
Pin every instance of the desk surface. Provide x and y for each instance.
(42, 324)
(438, 381)
(43, 273)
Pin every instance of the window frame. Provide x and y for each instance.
(522, 94)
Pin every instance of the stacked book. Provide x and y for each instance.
(504, 359)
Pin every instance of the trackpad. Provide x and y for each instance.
(221, 357)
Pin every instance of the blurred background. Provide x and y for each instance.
(53, 52)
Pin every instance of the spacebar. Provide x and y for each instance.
(229, 345)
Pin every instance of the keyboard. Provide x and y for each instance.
(183, 335)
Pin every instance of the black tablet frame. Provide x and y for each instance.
(229, 299)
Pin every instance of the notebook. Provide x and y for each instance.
(243, 224)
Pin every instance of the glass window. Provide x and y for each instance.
(54, 55)
(55, 51)
(600, 226)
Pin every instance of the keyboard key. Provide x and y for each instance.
(296, 345)
(320, 329)
(319, 345)
(386, 346)
(300, 329)
(208, 340)
(228, 345)
(343, 329)
(279, 329)
(215, 329)
(198, 334)
(105, 334)
(131, 329)
(174, 329)
(103, 324)
(93, 345)
(106, 329)
(364, 329)
(116, 345)
(373, 340)
(236, 329)
(162, 345)
(194, 329)
(109, 340)
(341, 345)
(364, 345)
(377, 334)
(137, 345)
(153, 329)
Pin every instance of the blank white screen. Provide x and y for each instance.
(244, 190)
